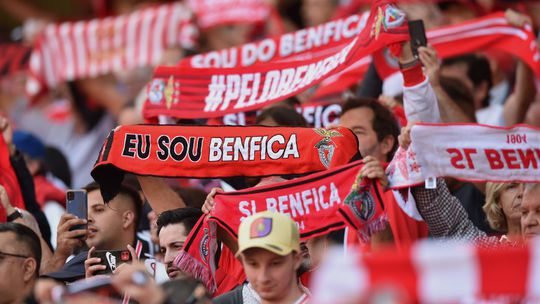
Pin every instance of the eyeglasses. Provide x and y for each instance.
(13, 255)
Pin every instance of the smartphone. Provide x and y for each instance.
(77, 204)
(418, 35)
(112, 259)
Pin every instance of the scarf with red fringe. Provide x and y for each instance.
(188, 92)
(318, 203)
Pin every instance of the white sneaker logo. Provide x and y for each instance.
(111, 259)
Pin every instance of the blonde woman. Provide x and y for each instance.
(502, 209)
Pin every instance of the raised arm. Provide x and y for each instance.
(420, 101)
(516, 106)
(449, 110)
(160, 196)
(442, 212)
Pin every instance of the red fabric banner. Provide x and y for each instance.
(318, 203)
(487, 33)
(312, 201)
(13, 58)
(210, 13)
(75, 50)
(491, 32)
(202, 93)
(305, 43)
(486, 153)
(317, 115)
(8, 179)
(214, 152)
(433, 272)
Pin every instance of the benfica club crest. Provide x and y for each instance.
(388, 18)
(160, 91)
(361, 204)
(204, 248)
(155, 93)
(326, 146)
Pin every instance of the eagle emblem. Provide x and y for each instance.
(326, 147)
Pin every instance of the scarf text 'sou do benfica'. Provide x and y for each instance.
(189, 92)
(214, 152)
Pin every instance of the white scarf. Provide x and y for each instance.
(468, 152)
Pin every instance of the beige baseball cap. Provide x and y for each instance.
(271, 231)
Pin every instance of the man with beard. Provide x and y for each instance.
(111, 226)
(173, 227)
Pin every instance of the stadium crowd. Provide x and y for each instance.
(353, 176)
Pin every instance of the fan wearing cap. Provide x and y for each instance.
(269, 249)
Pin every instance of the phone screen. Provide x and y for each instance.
(112, 259)
(418, 35)
(77, 204)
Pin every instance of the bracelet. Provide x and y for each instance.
(410, 64)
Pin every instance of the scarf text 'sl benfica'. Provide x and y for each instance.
(487, 153)
(317, 203)
(214, 152)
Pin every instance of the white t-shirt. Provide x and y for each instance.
(492, 115)
(250, 296)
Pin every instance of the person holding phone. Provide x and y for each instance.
(110, 226)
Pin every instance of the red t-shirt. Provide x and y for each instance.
(229, 272)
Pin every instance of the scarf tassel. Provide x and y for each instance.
(188, 264)
(369, 229)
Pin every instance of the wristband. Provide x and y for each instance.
(410, 64)
(14, 215)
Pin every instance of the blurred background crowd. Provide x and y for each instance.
(57, 134)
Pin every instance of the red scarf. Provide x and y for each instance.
(318, 203)
(487, 33)
(214, 152)
(9, 180)
(84, 49)
(188, 92)
(491, 32)
(317, 115)
(437, 272)
(47, 191)
(13, 58)
(310, 42)
(210, 13)
(363, 208)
